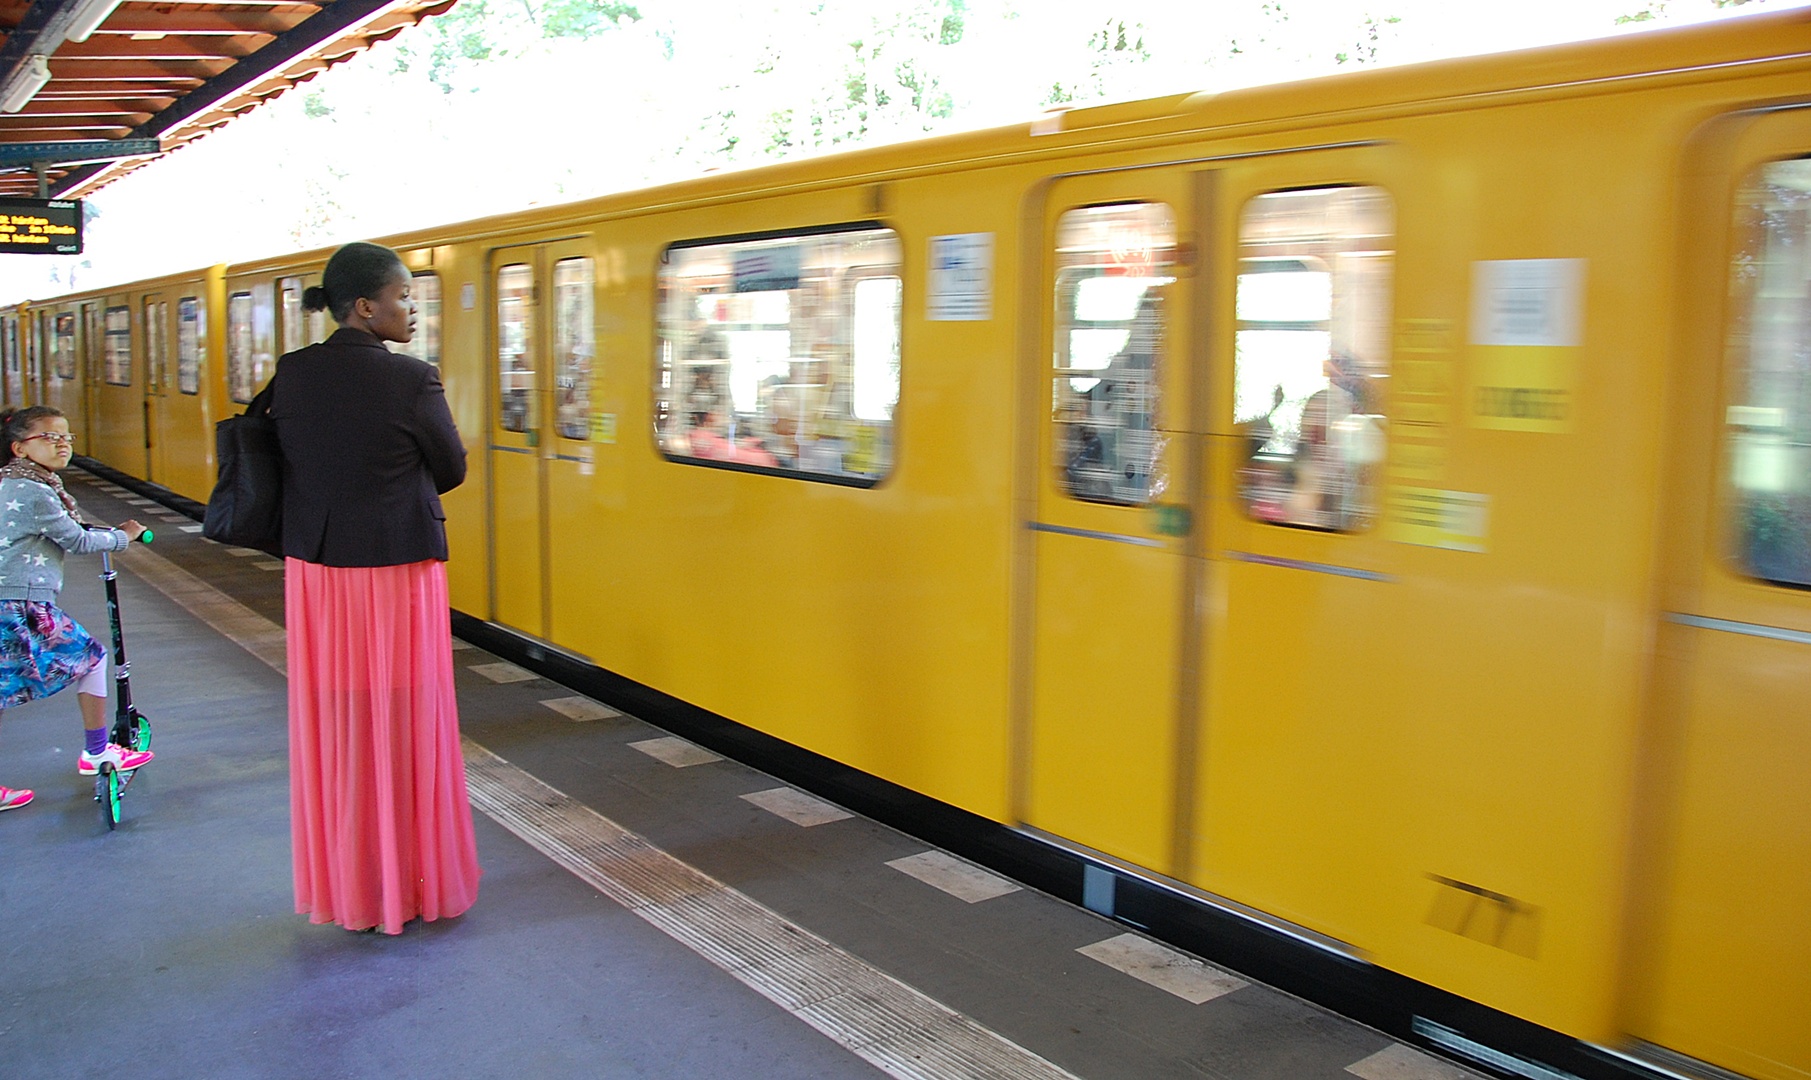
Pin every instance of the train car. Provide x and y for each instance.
(1378, 507)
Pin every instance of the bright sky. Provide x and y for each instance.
(365, 150)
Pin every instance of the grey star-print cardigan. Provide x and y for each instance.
(35, 531)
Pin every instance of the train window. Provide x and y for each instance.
(12, 345)
(425, 290)
(782, 354)
(1768, 421)
(289, 309)
(156, 343)
(241, 378)
(1311, 352)
(191, 343)
(64, 349)
(574, 344)
(1112, 266)
(117, 359)
(515, 340)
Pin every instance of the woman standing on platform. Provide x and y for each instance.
(381, 824)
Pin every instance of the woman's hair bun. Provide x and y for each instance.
(314, 298)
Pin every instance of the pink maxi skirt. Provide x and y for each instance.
(379, 816)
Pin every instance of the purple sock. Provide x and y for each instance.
(97, 739)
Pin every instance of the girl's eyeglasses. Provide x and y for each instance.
(53, 437)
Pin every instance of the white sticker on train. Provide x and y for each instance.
(1527, 302)
(961, 282)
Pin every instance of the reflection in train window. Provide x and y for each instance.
(191, 343)
(515, 342)
(157, 344)
(289, 311)
(782, 353)
(240, 376)
(574, 345)
(1769, 416)
(1112, 266)
(118, 356)
(425, 291)
(64, 347)
(1311, 352)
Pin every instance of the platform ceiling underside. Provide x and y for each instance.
(165, 72)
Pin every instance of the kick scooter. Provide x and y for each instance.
(130, 728)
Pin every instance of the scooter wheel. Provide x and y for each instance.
(141, 732)
(107, 792)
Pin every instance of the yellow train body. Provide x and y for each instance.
(1519, 726)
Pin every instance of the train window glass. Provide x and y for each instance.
(65, 345)
(515, 339)
(12, 345)
(1112, 263)
(117, 359)
(574, 344)
(1311, 353)
(425, 290)
(191, 343)
(155, 357)
(782, 354)
(289, 310)
(241, 378)
(1768, 422)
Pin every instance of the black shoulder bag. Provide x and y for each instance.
(246, 509)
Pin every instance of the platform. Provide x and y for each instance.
(649, 908)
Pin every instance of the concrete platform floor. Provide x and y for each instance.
(800, 942)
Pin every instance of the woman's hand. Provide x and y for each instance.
(132, 529)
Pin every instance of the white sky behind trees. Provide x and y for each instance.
(480, 111)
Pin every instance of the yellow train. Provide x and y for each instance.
(1377, 507)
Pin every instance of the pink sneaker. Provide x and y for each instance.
(11, 798)
(123, 760)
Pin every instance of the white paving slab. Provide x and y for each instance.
(962, 880)
(268, 564)
(797, 807)
(579, 708)
(191, 528)
(1162, 967)
(458, 644)
(136, 501)
(243, 553)
(503, 672)
(1399, 1062)
(676, 752)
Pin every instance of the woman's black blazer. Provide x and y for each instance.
(368, 446)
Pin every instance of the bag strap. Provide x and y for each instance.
(260, 405)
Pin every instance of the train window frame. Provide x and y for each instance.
(1333, 482)
(799, 404)
(1767, 521)
(63, 347)
(116, 346)
(1121, 242)
(240, 348)
(191, 343)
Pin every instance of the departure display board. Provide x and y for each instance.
(41, 226)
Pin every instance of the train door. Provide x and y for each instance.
(544, 302)
(295, 326)
(1723, 962)
(1110, 532)
(156, 321)
(38, 371)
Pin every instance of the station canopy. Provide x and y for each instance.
(92, 89)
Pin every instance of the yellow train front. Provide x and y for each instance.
(1378, 507)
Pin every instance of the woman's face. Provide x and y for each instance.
(391, 313)
(48, 443)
